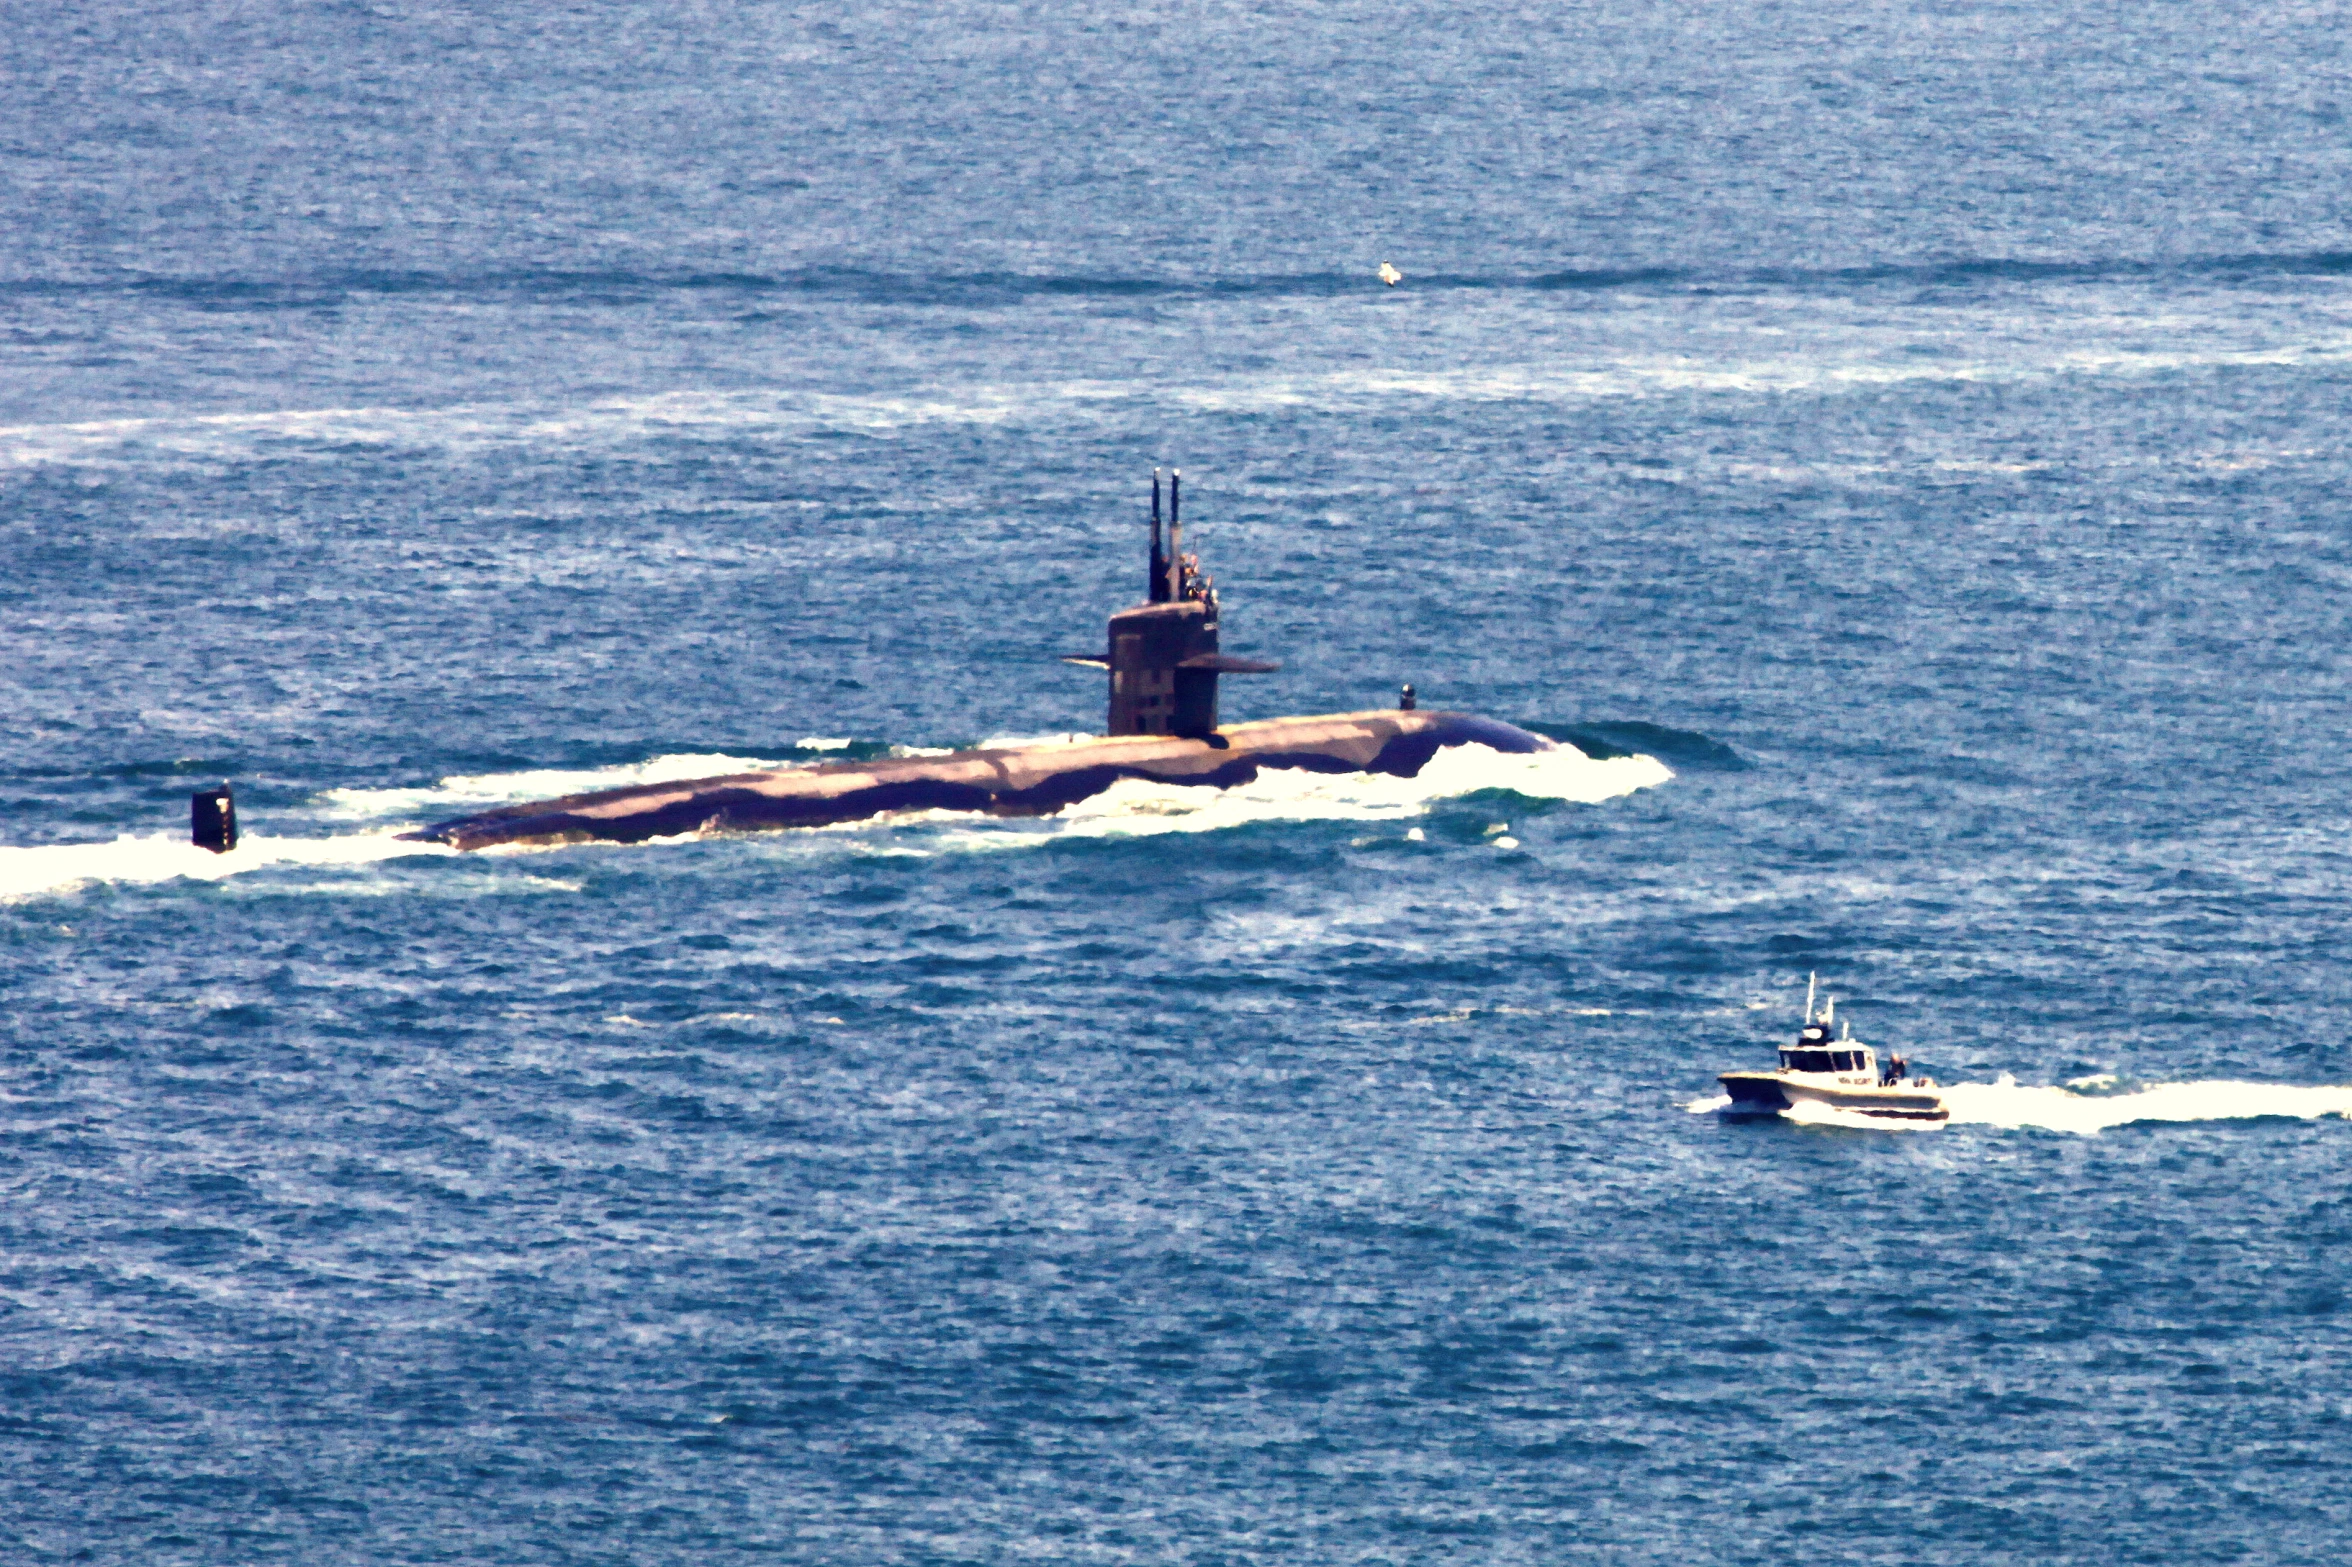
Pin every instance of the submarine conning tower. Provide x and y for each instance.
(1163, 657)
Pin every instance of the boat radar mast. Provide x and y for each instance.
(1163, 659)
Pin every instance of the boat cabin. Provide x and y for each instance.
(1816, 1051)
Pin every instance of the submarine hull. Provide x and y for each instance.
(1012, 781)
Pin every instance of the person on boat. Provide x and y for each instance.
(1892, 1073)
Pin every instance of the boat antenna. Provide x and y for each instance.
(1810, 981)
(1829, 1009)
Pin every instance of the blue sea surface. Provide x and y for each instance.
(1900, 446)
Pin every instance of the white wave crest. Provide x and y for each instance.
(1129, 808)
(1135, 807)
(1723, 356)
(154, 857)
(481, 790)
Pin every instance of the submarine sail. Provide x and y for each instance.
(1163, 657)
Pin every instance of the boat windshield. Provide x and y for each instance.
(1806, 1061)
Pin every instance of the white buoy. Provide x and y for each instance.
(1390, 275)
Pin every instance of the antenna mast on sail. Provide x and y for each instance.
(1175, 535)
(1157, 591)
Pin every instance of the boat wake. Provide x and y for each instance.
(1129, 808)
(2089, 1106)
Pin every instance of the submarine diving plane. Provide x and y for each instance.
(1163, 664)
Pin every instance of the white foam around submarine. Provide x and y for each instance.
(157, 857)
(1135, 807)
(1131, 807)
(153, 857)
(483, 790)
(480, 791)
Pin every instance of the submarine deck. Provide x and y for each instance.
(1034, 780)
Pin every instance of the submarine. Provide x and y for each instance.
(1163, 665)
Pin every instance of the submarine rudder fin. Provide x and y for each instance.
(212, 819)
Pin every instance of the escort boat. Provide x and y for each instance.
(1835, 1070)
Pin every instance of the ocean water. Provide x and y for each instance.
(1900, 447)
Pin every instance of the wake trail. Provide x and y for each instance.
(160, 857)
(2088, 1106)
(2005, 1102)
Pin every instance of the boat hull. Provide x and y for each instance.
(1012, 781)
(1769, 1093)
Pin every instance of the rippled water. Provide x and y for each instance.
(1898, 447)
